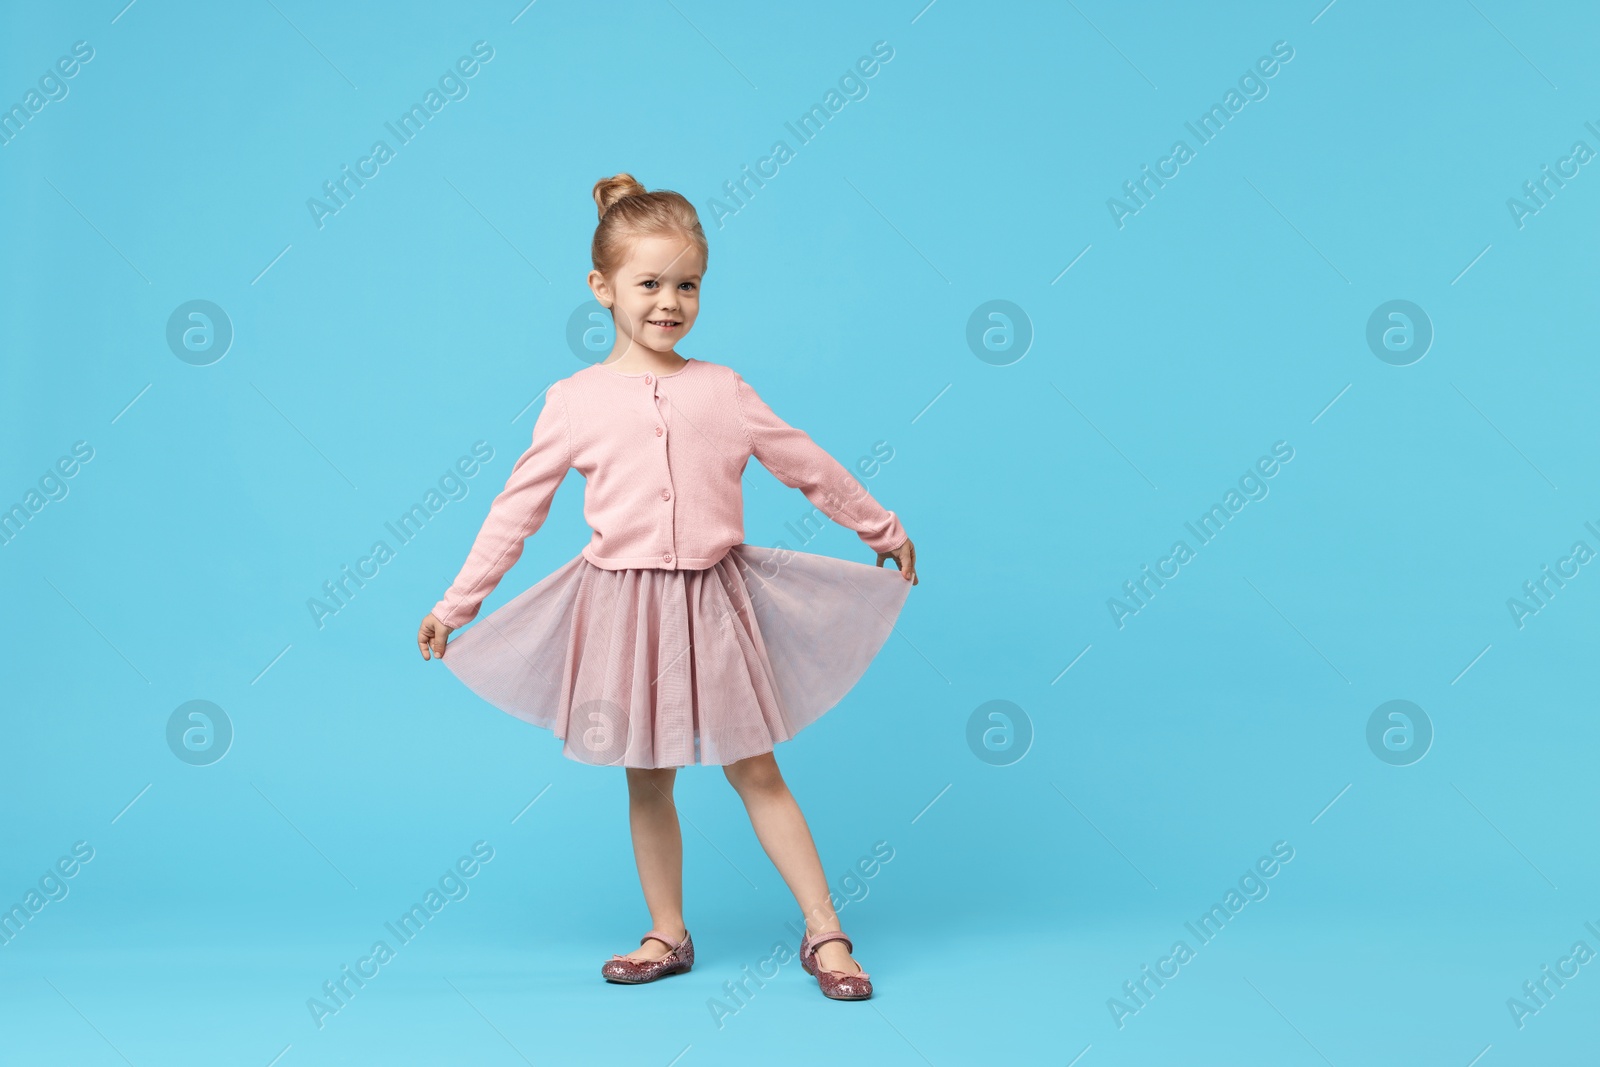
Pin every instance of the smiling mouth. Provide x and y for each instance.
(666, 324)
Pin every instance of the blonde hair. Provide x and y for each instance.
(628, 212)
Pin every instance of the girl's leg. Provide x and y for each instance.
(658, 852)
(786, 838)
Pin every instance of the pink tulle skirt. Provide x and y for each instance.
(650, 667)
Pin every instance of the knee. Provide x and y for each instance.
(647, 785)
(755, 775)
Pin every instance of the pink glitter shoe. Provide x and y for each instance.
(620, 968)
(836, 985)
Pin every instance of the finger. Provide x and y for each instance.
(422, 642)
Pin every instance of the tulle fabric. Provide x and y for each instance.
(651, 667)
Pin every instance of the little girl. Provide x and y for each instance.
(668, 641)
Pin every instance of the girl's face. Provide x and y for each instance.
(655, 294)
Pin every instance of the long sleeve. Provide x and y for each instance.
(800, 463)
(515, 514)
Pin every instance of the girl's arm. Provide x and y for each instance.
(515, 514)
(800, 463)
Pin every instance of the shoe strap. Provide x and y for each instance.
(662, 935)
(831, 935)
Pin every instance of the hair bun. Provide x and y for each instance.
(608, 191)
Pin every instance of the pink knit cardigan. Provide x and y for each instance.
(662, 456)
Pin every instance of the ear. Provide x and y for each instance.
(601, 288)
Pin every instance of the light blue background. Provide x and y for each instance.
(1230, 713)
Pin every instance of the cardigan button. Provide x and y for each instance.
(666, 494)
(658, 431)
(666, 557)
(648, 379)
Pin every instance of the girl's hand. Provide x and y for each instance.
(431, 636)
(905, 557)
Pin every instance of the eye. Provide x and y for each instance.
(652, 281)
(690, 285)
